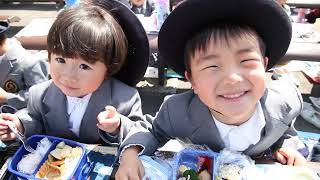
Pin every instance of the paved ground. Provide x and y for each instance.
(27, 11)
(151, 96)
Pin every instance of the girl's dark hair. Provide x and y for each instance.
(89, 32)
(224, 32)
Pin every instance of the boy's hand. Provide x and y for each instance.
(131, 167)
(289, 157)
(3, 96)
(5, 133)
(109, 120)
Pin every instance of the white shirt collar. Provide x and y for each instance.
(239, 138)
(76, 109)
(75, 101)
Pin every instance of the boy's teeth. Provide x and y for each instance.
(233, 95)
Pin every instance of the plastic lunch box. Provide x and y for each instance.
(80, 172)
(189, 158)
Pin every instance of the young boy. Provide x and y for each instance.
(87, 48)
(19, 70)
(224, 50)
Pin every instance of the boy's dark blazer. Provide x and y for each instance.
(46, 112)
(186, 118)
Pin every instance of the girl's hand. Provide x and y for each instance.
(109, 120)
(5, 133)
(289, 157)
(131, 167)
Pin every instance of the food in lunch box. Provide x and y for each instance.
(61, 162)
(229, 172)
(29, 162)
(202, 172)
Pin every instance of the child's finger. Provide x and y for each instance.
(7, 136)
(141, 171)
(299, 161)
(288, 154)
(106, 117)
(109, 112)
(108, 107)
(3, 127)
(290, 160)
(7, 116)
(280, 158)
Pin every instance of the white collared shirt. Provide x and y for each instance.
(239, 138)
(76, 108)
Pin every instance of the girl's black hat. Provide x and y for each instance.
(137, 59)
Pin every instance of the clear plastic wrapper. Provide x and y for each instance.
(232, 165)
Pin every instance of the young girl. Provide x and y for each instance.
(86, 46)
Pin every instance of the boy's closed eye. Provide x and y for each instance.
(210, 67)
(252, 62)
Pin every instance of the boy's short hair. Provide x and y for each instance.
(91, 33)
(266, 17)
(223, 32)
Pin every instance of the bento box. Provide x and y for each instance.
(194, 163)
(53, 157)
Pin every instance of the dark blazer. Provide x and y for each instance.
(186, 118)
(46, 112)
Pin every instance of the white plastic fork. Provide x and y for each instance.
(20, 136)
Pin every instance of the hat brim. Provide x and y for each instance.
(266, 16)
(137, 59)
(4, 26)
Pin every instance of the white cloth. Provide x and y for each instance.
(239, 138)
(76, 109)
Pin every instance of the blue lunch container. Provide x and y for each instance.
(81, 171)
(190, 158)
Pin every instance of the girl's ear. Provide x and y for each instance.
(266, 60)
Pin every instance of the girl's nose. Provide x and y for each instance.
(70, 74)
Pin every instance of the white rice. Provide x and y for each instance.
(30, 162)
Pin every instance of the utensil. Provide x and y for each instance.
(20, 136)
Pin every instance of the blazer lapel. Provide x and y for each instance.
(6, 67)
(99, 99)
(57, 116)
(206, 131)
(277, 122)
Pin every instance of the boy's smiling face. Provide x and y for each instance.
(75, 77)
(229, 77)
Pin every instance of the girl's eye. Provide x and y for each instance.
(84, 67)
(60, 60)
